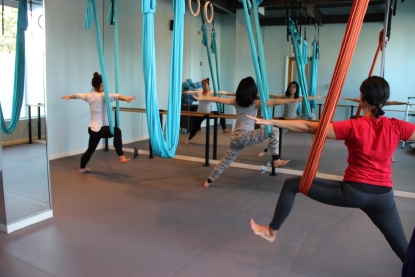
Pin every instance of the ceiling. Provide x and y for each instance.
(308, 11)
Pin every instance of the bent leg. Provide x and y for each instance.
(197, 122)
(234, 149)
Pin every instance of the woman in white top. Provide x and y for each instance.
(205, 107)
(98, 124)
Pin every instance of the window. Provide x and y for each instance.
(34, 75)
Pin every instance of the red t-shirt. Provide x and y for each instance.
(371, 143)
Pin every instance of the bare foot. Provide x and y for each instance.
(123, 159)
(263, 231)
(227, 131)
(278, 163)
(393, 160)
(206, 184)
(83, 170)
(186, 142)
(261, 154)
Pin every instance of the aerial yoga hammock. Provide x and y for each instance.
(91, 14)
(372, 68)
(163, 145)
(343, 62)
(260, 72)
(300, 51)
(314, 66)
(205, 42)
(19, 70)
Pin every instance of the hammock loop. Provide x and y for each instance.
(205, 11)
(197, 10)
(88, 14)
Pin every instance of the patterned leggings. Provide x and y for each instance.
(241, 139)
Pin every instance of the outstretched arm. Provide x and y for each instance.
(217, 99)
(275, 102)
(352, 99)
(221, 92)
(274, 96)
(125, 98)
(302, 126)
(391, 103)
(67, 97)
(315, 97)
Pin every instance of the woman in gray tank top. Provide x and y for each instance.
(290, 109)
(244, 134)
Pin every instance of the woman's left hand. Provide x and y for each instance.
(129, 99)
(260, 121)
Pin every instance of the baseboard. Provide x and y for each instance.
(24, 141)
(26, 222)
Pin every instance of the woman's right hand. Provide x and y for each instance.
(260, 121)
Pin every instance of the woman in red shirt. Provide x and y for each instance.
(367, 183)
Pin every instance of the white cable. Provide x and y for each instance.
(210, 19)
(198, 7)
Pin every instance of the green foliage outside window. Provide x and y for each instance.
(8, 39)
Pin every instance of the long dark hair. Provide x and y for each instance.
(246, 92)
(96, 81)
(375, 91)
(297, 91)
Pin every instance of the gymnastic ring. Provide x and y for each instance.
(205, 8)
(198, 7)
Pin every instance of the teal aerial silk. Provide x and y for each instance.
(300, 51)
(205, 42)
(19, 70)
(163, 145)
(215, 52)
(313, 74)
(91, 8)
(260, 72)
(113, 20)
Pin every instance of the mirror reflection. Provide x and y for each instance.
(235, 62)
(25, 166)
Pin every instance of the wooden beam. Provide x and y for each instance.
(328, 19)
(343, 18)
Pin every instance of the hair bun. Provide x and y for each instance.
(96, 74)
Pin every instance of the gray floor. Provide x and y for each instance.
(152, 217)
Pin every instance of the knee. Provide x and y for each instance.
(292, 184)
(117, 131)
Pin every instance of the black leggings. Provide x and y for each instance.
(197, 122)
(95, 137)
(380, 208)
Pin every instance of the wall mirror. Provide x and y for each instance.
(24, 158)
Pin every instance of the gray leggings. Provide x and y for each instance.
(380, 208)
(241, 139)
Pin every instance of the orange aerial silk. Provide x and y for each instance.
(343, 62)
(380, 48)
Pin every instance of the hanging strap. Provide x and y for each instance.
(372, 68)
(113, 20)
(19, 70)
(343, 62)
(300, 52)
(164, 146)
(91, 14)
(205, 42)
(260, 72)
(313, 74)
(215, 52)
